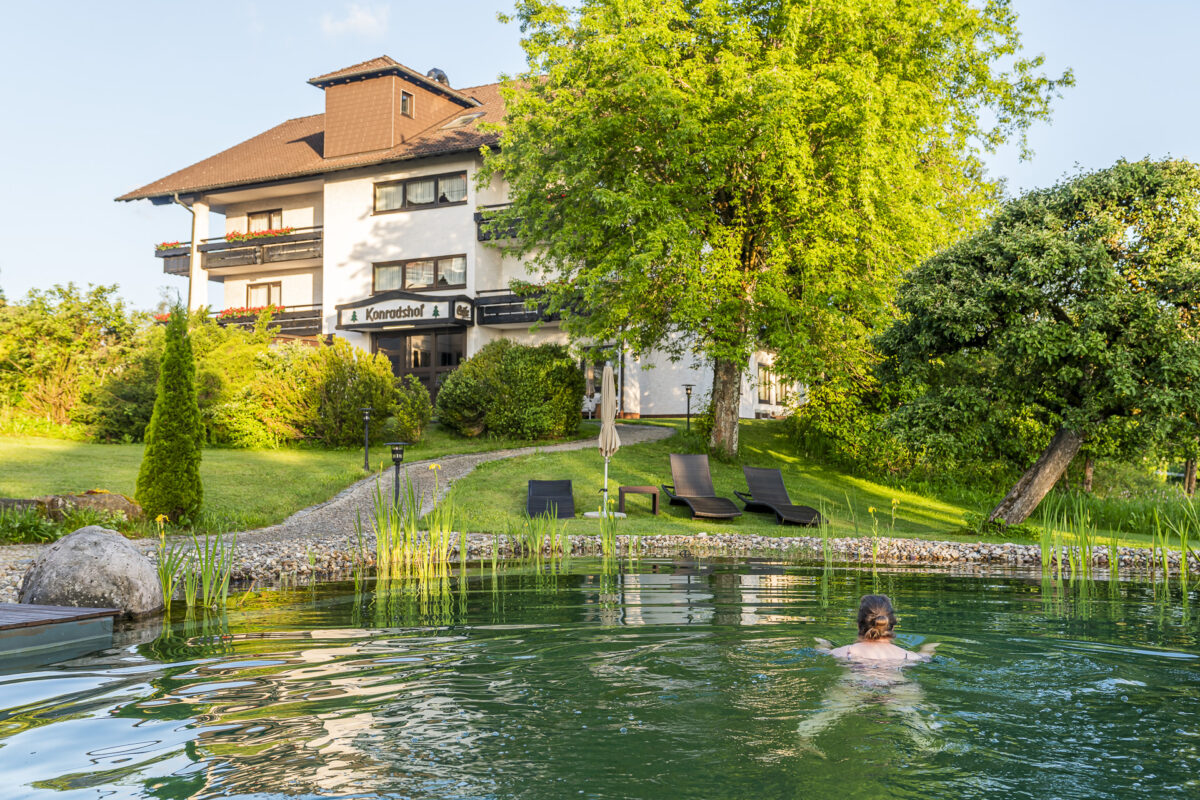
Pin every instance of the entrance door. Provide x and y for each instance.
(429, 355)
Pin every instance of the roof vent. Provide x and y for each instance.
(439, 76)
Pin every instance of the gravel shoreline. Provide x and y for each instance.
(320, 541)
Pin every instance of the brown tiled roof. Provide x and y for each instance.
(386, 65)
(364, 68)
(296, 149)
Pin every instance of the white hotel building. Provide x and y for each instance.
(385, 247)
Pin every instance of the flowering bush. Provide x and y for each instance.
(162, 317)
(168, 245)
(238, 236)
(247, 311)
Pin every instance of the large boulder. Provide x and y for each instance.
(93, 567)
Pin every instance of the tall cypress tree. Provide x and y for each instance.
(169, 479)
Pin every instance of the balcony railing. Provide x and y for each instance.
(220, 253)
(482, 217)
(176, 260)
(502, 306)
(300, 244)
(290, 320)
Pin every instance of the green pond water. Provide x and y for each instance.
(660, 680)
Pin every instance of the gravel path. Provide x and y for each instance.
(325, 532)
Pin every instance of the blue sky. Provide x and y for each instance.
(101, 98)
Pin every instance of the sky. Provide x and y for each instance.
(102, 98)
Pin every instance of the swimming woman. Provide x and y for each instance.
(874, 679)
(876, 630)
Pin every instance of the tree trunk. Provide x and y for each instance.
(726, 402)
(1189, 477)
(1089, 471)
(1024, 497)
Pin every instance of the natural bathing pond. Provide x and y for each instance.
(658, 680)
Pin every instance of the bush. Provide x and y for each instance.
(169, 479)
(411, 412)
(513, 390)
(343, 381)
(26, 526)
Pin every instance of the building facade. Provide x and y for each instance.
(365, 222)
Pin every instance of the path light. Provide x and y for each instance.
(366, 412)
(687, 388)
(397, 460)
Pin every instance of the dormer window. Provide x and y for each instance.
(406, 103)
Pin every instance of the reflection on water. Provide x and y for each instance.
(680, 679)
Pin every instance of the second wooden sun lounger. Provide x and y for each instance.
(767, 493)
(694, 488)
(550, 497)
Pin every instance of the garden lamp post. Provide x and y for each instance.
(687, 389)
(397, 460)
(366, 412)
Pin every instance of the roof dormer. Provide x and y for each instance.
(379, 104)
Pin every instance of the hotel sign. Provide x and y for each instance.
(398, 310)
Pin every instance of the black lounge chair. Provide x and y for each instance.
(768, 494)
(550, 497)
(693, 488)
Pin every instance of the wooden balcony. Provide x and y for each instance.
(299, 245)
(290, 320)
(503, 307)
(176, 260)
(219, 254)
(482, 217)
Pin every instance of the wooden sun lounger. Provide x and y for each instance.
(550, 497)
(768, 494)
(693, 488)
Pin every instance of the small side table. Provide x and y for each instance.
(650, 490)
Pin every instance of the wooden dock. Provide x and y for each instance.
(32, 635)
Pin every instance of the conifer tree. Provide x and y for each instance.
(169, 478)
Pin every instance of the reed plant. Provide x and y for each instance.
(608, 531)
(825, 532)
(206, 580)
(168, 565)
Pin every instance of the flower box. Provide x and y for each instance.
(168, 252)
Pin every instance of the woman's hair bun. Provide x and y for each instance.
(875, 617)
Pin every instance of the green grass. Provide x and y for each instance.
(243, 489)
(493, 496)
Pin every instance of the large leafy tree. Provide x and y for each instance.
(57, 344)
(1078, 305)
(711, 177)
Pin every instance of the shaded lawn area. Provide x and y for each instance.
(493, 496)
(242, 488)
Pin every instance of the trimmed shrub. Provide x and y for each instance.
(513, 390)
(411, 412)
(344, 380)
(169, 479)
(467, 393)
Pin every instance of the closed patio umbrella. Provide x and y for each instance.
(609, 440)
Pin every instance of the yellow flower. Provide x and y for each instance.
(435, 466)
(870, 509)
(161, 518)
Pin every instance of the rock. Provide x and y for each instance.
(55, 506)
(10, 503)
(93, 567)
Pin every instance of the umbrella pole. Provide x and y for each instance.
(604, 511)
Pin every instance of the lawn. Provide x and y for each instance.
(242, 488)
(497, 494)
(497, 491)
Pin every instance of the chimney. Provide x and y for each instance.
(379, 104)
